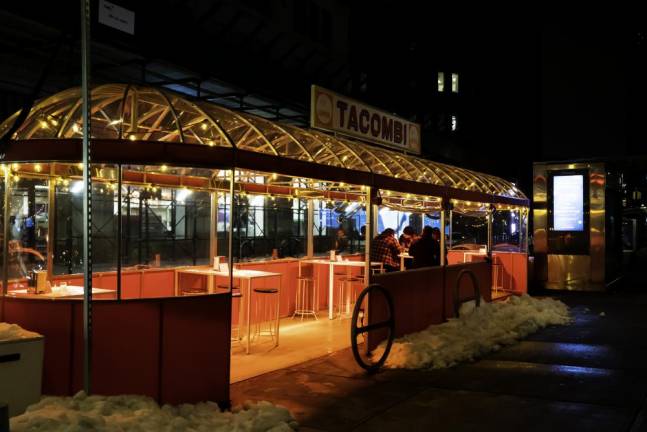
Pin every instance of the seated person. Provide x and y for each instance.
(341, 241)
(426, 250)
(385, 249)
(408, 237)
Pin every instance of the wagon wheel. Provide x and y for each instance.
(356, 330)
(475, 285)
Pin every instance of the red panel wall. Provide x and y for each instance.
(417, 297)
(195, 349)
(54, 321)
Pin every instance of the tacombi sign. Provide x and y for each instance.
(334, 112)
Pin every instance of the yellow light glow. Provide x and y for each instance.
(43, 124)
(132, 137)
(204, 126)
(274, 176)
(163, 168)
(16, 178)
(210, 143)
(76, 128)
(38, 168)
(80, 166)
(66, 182)
(15, 166)
(53, 121)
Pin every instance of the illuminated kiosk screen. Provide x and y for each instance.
(568, 203)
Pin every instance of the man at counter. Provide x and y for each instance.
(385, 249)
(341, 241)
(426, 250)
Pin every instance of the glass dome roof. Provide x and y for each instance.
(140, 113)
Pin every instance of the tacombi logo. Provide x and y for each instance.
(324, 109)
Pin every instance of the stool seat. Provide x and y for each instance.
(351, 279)
(266, 290)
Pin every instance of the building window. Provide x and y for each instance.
(454, 123)
(441, 81)
(454, 83)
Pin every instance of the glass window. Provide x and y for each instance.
(454, 83)
(269, 226)
(165, 226)
(469, 230)
(28, 230)
(441, 81)
(506, 230)
(340, 226)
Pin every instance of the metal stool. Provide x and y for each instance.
(266, 310)
(306, 300)
(344, 293)
(237, 294)
(497, 273)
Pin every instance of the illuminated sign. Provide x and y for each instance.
(568, 203)
(333, 112)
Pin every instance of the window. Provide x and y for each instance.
(454, 83)
(441, 82)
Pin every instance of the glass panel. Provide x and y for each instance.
(165, 226)
(27, 238)
(68, 246)
(506, 230)
(340, 226)
(469, 232)
(269, 227)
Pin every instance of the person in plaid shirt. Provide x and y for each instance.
(385, 249)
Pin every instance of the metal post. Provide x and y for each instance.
(87, 197)
(489, 214)
(310, 220)
(230, 240)
(451, 217)
(7, 229)
(51, 223)
(213, 227)
(367, 235)
(119, 248)
(442, 235)
(524, 243)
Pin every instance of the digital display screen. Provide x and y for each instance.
(568, 203)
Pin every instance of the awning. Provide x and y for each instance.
(133, 124)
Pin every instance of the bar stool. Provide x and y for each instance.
(307, 300)
(344, 293)
(266, 311)
(236, 294)
(497, 273)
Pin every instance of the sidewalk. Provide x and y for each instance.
(591, 375)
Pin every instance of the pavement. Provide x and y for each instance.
(590, 375)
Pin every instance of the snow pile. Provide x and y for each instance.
(477, 332)
(141, 413)
(14, 332)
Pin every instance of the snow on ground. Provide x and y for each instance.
(14, 332)
(478, 331)
(140, 413)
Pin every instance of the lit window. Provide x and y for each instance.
(454, 123)
(441, 81)
(454, 83)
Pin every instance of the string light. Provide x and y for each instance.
(38, 168)
(80, 166)
(163, 168)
